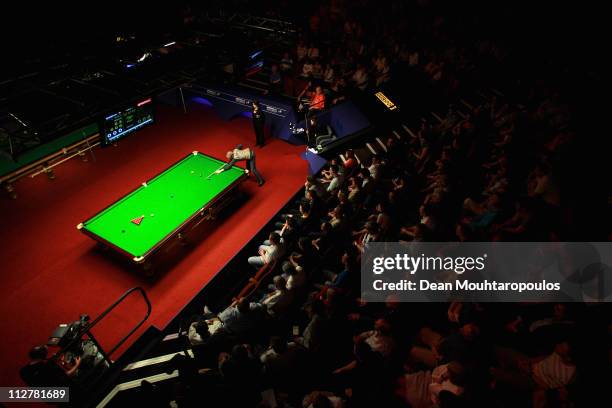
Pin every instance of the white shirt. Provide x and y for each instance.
(335, 183)
(297, 280)
(271, 252)
(193, 336)
(374, 170)
(241, 154)
(379, 343)
(553, 371)
(440, 382)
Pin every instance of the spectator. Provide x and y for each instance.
(286, 64)
(267, 253)
(275, 79)
(242, 317)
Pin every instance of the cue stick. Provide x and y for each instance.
(211, 174)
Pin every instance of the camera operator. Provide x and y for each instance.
(43, 371)
(80, 357)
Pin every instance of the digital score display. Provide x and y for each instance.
(128, 120)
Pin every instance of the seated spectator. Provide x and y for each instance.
(483, 213)
(350, 162)
(322, 239)
(301, 50)
(317, 70)
(541, 376)
(286, 64)
(335, 181)
(383, 72)
(241, 372)
(307, 69)
(382, 218)
(313, 52)
(275, 79)
(267, 253)
(542, 185)
(44, 372)
(460, 346)
(313, 184)
(277, 347)
(285, 363)
(370, 233)
(336, 217)
(342, 280)
(303, 256)
(317, 100)
(423, 389)
(326, 172)
(296, 276)
(328, 74)
(305, 221)
(317, 134)
(198, 332)
(354, 189)
(337, 90)
(379, 339)
(242, 317)
(360, 78)
(375, 166)
(522, 226)
(287, 233)
(322, 399)
(413, 58)
(316, 330)
(427, 220)
(365, 377)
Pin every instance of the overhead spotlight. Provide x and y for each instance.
(170, 44)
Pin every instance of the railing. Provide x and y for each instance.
(86, 329)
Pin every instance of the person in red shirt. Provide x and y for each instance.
(350, 162)
(317, 99)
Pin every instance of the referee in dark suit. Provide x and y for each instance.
(258, 123)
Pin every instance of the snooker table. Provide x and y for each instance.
(179, 197)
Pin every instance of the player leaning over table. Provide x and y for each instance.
(240, 153)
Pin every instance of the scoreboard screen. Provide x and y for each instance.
(121, 123)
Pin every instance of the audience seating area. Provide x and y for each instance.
(298, 329)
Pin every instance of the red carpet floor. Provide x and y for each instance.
(51, 273)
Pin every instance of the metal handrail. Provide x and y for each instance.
(86, 329)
